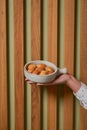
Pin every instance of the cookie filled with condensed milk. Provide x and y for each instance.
(40, 69)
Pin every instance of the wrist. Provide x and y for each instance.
(73, 83)
(67, 79)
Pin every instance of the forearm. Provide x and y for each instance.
(73, 83)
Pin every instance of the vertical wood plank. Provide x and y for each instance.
(36, 29)
(3, 68)
(18, 64)
(35, 55)
(69, 10)
(35, 108)
(52, 56)
(83, 58)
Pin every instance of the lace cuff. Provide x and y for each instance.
(81, 95)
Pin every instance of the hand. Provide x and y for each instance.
(62, 79)
(65, 79)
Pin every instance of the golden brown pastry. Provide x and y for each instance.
(49, 72)
(40, 69)
(31, 67)
(42, 66)
(44, 72)
(49, 69)
(35, 72)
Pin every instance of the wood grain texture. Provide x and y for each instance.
(19, 64)
(36, 108)
(35, 55)
(36, 29)
(69, 10)
(83, 58)
(3, 68)
(52, 56)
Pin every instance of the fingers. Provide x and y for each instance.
(29, 81)
(40, 84)
(26, 79)
(46, 84)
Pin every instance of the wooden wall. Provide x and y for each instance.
(53, 30)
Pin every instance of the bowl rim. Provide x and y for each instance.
(41, 61)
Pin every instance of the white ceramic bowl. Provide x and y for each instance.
(45, 78)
